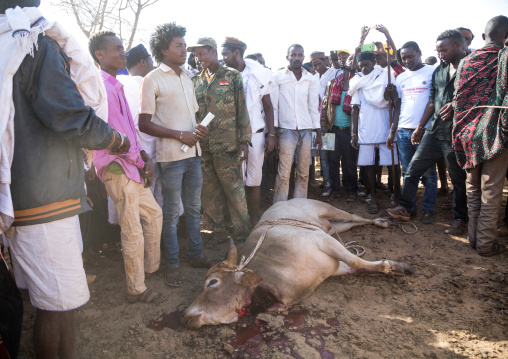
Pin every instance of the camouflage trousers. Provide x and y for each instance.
(223, 184)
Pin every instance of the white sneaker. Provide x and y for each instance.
(328, 190)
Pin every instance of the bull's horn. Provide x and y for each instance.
(232, 253)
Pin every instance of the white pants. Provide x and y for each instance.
(47, 261)
(367, 155)
(253, 170)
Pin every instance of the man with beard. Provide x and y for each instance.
(42, 170)
(220, 91)
(167, 98)
(436, 143)
(257, 83)
(480, 135)
(296, 100)
(413, 87)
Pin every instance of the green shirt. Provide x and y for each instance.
(342, 119)
(116, 168)
(224, 97)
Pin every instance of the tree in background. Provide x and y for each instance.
(120, 16)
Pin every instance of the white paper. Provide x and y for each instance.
(206, 121)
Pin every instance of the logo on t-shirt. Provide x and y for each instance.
(425, 82)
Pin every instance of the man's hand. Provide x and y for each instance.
(416, 136)
(391, 93)
(446, 112)
(201, 131)
(389, 140)
(244, 148)
(124, 148)
(364, 32)
(354, 141)
(318, 142)
(271, 143)
(382, 29)
(188, 138)
(147, 172)
(89, 201)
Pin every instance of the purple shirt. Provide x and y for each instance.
(119, 117)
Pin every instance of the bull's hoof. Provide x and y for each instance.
(400, 269)
(381, 222)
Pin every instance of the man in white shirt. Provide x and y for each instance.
(370, 121)
(296, 100)
(167, 97)
(257, 83)
(324, 75)
(413, 87)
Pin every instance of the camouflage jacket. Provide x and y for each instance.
(224, 97)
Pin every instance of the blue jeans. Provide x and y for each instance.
(344, 156)
(181, 179)
(325, 165)
(406, 153)
(426, 156)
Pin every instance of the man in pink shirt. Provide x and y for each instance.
(128, 177)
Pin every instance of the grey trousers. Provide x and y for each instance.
(291, 142)
(484, 187)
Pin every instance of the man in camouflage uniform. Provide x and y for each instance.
(220, 91)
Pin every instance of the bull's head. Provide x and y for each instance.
(225, 295)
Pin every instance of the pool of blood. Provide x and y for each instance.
(253, 333)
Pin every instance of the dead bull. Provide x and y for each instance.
(291, 262)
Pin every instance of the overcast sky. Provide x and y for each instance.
(270, 26)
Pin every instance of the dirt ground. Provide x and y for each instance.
(454, 306)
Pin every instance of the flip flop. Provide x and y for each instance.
(148, 296)
(173, 277)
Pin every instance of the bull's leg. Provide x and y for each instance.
(333, 248)
(339, 227)
(332, 214)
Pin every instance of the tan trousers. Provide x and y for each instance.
(484, 186)
(140, 244)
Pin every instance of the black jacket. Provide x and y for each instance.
(51, 125)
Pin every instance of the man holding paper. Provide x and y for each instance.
(220, 91)
(167, 99)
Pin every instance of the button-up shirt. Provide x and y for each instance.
(224, 97)
(170, 100)
(441, 93)
(295, 102)
(119, 117)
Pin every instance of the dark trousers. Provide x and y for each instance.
(346, 156)
(428, 153)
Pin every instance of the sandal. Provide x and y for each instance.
(496, 249)
(148, 296)
(173, 277)
(373, 208)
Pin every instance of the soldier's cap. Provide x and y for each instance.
(203, 41)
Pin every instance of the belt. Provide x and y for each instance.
(409, 129)
(340, 128)
(260, 130)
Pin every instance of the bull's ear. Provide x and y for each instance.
(249, 279)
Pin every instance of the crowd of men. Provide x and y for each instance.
(157, 159)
